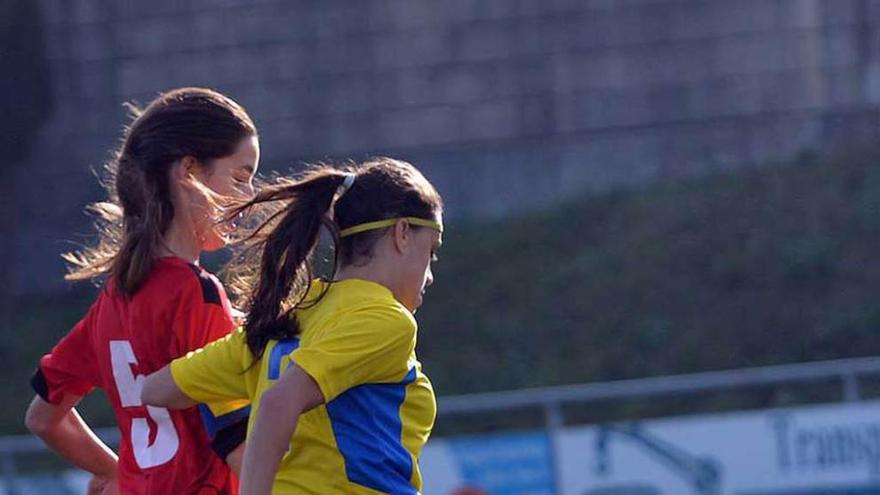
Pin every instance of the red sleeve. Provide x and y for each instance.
(72, 366)
(203, 314)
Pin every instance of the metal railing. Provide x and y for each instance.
(551, 399)
(847, 370)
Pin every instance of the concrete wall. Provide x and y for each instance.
(505, 104)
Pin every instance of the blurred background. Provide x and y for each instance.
(660, 272)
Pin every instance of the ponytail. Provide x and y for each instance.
(283, 244)
(131, 228)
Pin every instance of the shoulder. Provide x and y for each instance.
(370, 302)
(187, 282)
(208, 285)
(380, 317)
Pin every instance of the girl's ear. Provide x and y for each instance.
(402, 233)
(186, 168)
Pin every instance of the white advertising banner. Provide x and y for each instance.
(829, 449)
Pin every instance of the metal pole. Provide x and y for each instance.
(554, 422)
(9, 471)
(851, 392)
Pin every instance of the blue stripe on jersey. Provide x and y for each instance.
(216, 423)
(282, 348)
(367, 426)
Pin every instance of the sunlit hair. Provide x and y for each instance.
(131, 222)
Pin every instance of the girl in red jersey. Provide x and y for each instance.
(187, 146)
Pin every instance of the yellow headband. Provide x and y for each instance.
(381, 224)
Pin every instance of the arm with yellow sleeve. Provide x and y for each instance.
(212, 377)
(215, 374)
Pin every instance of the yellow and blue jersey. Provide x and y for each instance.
(358, 344)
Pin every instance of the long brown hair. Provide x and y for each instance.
(131, 223)
(272, 271)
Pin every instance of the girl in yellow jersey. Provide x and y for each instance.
(340, 404)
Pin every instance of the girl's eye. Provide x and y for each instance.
(241, 183)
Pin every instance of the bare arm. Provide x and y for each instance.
(235, 458)
(160, 390)
(280, 407)
(65, 432)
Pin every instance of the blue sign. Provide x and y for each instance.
(513, 464)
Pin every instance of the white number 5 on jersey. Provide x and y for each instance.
(129, 387)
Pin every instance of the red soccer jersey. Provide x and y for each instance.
(180, 307)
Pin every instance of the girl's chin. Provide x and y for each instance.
(214, 243)
(417, 305)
